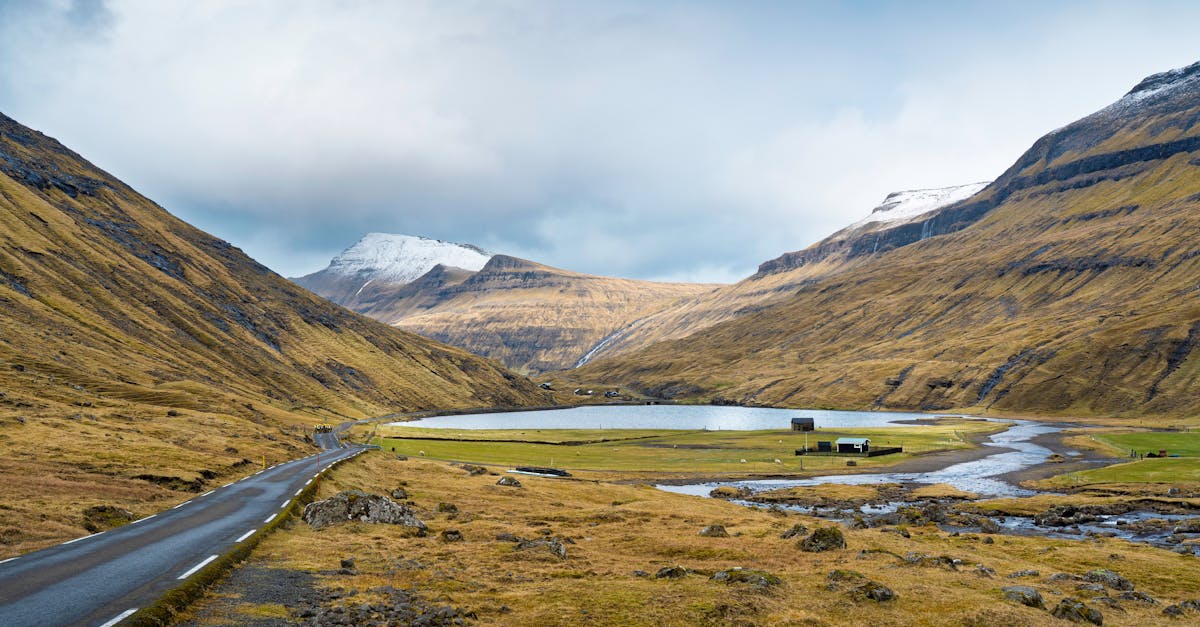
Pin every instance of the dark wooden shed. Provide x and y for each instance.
(803, 424)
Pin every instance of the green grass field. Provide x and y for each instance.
(1166, 470)
(1185, 444)
(700, 452)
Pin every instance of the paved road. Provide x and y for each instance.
(102, 578)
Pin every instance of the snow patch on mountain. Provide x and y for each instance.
(906, 206)
(389, 258)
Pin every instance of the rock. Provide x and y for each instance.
(987, 525)
(1023, 573)
(842, 575)
(729, 492)
(402, 458)
(1057, 577)
(1174, 491)
(1076, 612)
(640, 573)
(400, 494)
(900, 531)
(362, 507)
(797, 530)
(1140, 597)
(347, 562)
(824, 539)
(670, 572)
(873, 591)
(507, 537)
(1024, 595)
(447, 508)
(103, 517)
(756, 578)
(451, 535)
(714, 531)
(1108, 578)
(346, 567)
(985, 571)
(555, 547)
(509, 481)
(988, 540)
(1089, 587)
(1191, 525)
(1056, 458)
(858, 522)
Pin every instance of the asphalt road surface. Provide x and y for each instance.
(105, 577)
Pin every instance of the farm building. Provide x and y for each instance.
(853, 445)
(803, 424)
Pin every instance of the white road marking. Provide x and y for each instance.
(182, 504)
(8, 560)
(75, 540)
(191, 571)
(246, 535)
(270, 518)
(120, 617)
(299, 491)
(228, 484)
(143, 519)
(207, 493)
(308, 482)
(285, 503)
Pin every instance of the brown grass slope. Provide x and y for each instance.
(1070, 285)
(530, 316)
(114, 313)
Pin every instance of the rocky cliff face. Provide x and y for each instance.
(1068, 285)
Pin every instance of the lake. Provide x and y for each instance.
(683, 417)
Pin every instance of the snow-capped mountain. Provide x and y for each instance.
(901, 207)
(403, 258)
(388, 261)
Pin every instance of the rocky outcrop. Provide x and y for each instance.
(362, 507)
(824, 539)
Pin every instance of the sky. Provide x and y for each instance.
(663, 140)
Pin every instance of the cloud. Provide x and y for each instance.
(652, 140)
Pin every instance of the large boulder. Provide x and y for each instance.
(1025, 595)
(362, 507)
(824, 539)
(1076, 612)
(714, 531)
(1108, 578)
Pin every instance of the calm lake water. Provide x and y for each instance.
(686, 417)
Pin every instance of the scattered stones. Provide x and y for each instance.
(1108, 578)
(985, 571)
(1076, 612)
(360, 506)
(400, 494)
(671, 572)
(796, 531)
(1191, 525)
(824, 539)
(474, 470)
(730, 492)
(1024, 595)
(1181, 608)
(756, 578)
(511, 482)
(930, 561)
(554, 546)
(393, 607)
(451, 535)
(714, 531)
(1024, 573)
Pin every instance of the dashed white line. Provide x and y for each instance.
(120, 617)
(285, 503)
(75, 540)
(191, 571)
(308, 482)
(246, 535)
(207, 493)
(8, 560)
(299, 491)
(182, 504)
(143, 519)
(270, 518)
(228, 484)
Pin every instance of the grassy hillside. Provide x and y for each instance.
(140, 356)
(1068, 286)
(530, 316)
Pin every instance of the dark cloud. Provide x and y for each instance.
(654, 140)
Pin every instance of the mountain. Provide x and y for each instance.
(779, 278)
(1067, 286)
(529, 316)
(140, 356)
(382, 261)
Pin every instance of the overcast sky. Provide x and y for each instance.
(666, 140)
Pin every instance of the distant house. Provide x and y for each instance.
(803, 424)
(853, 445)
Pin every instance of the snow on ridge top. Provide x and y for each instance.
(901, 207)
(386, 257)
